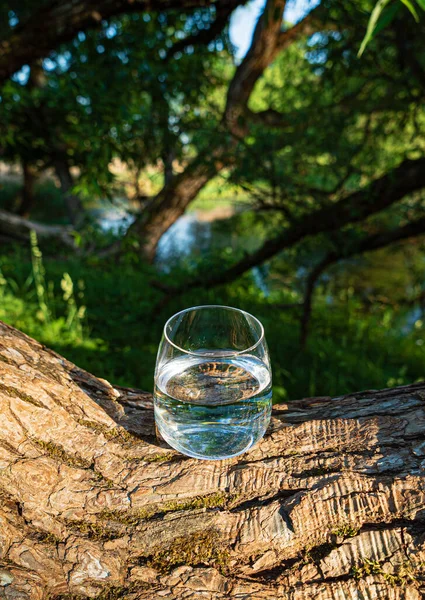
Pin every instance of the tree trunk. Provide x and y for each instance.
(330, 505)
(27, 200)
(179, 191)
(73, 203)
(171, 202)
(17, 229)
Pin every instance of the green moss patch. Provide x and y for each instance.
(204, 548)
(11, 391)
(216, 500)
(59, 453)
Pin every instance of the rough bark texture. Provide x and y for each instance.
(330, 505)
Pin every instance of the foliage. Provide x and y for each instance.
(53, 316)
(345, 121)
(383, 13)
(119, 106)
(115, 94)
(350, 347)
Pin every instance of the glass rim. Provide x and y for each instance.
(230, 353)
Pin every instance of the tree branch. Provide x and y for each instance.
(307, 26)
(94, 505)
(172, 200)
(205, 36)
(264, 48)
(15, 228)
(381, 193)
(367, 244)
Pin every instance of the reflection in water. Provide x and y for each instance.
(412, 317)
(187, 237)
(260, 275)
(192, 236)
(113, 219)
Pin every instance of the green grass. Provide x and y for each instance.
(117, 334)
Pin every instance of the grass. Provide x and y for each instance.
(107, 319)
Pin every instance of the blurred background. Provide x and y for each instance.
(252, 154)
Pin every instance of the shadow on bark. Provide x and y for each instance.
(132, 409)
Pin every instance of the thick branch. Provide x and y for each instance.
(381, 193)
(175, 196)
(171, 202)
(59, 22)
(253, 67)
(263, 50)
(93, 505)
(15, 228)
(367, 244)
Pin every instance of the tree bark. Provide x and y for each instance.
(329, 505)
(171, 202)
(17, 229)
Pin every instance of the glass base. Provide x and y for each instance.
(212, 441)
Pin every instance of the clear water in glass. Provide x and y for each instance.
(212, 403)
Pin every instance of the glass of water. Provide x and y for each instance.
(213, 379)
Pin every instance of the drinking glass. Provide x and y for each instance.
(213, 379)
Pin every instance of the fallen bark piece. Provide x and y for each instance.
(330, 505)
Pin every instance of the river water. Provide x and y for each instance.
(197, 233)
(192, 236)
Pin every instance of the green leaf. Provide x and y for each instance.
(379, 21)
(386, 17)
(371, 26)
(421, 3)
(412, 9)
